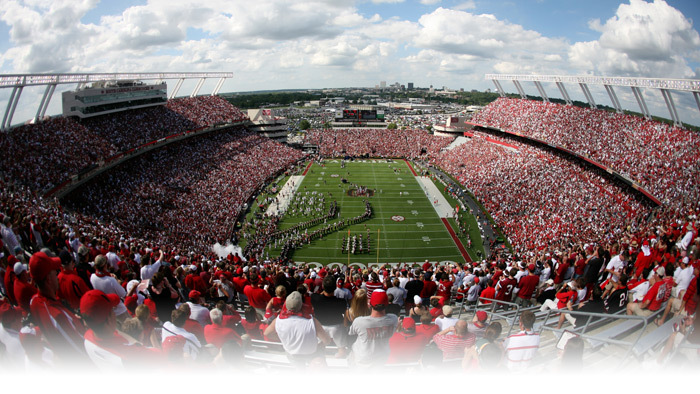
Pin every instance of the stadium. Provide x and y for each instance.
(166, 184)
(144, 227)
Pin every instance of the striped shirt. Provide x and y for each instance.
(521, 348)
(453, 346)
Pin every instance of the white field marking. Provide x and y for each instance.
(285, 195)
(443, 208)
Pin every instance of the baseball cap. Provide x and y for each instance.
(294, 301)
(549, 282)
(379, 298)
(41, 265)
(19, 268)
(481, 316)
(194, 295)
(417, 300)
(660, 270)
(96, 305)
(531, 267)
(446, 310)
(173, 344)
(409, 323)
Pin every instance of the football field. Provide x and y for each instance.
(404, 226)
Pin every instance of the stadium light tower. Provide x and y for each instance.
(666, 86)
(18, 81)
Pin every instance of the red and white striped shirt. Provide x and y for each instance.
(521, 348)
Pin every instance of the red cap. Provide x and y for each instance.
(96, 305)
(476, 280)
(194, 295)
(531, 267)
(379, 298)
(322, 273)
(41, 265)
(409, 323)
(481, 316)
(173, 343)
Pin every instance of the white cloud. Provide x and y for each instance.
(429, 2)
(649, 39)
(467, 5)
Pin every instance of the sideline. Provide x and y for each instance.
(438, 201)
(285, 195)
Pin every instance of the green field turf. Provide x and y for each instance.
(420, 236)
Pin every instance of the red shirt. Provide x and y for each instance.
(505, 292)
(231, 320)
(405, 348)
(580, 266)
(62, 328)
(527, 285)
(71, 287)
(239, 283)
(427, 330)
(655, 296)
(690, 304)
(194, 327)
(561, 272)
(564, 297)
(257, 297)
(444, 289)
(254, 329)
(489, 292)
(429, 288)
(24, 291)
(217, 335)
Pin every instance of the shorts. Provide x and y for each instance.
(635, 308)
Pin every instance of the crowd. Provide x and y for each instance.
(48, 153)
(538, 198)
(662, 158)
(136, 265)
(189, 194)
(407, 143)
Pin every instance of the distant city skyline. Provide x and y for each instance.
(282, 44)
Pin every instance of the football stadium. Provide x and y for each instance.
(141, 227)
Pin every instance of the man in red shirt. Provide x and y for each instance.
(216, 333)
(24, 291)
(489, 292)
(654, 297)
(505, 287)
(257, 297)
(452, 341)
(406, 346)
(71, 286)
(527, 286)
(62, 329)
(429, 289)
(104, 345)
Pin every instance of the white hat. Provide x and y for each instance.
(19, 268)
(417, 300)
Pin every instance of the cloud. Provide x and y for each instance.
(429, 2)
(467, 5)
(649, 39)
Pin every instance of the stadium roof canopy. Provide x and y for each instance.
(664, 85)
(18, 81)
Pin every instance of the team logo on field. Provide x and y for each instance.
(398, 218)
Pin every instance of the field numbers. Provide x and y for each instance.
(414, 212)
(409, 202)
(426, 239)
(420, 224)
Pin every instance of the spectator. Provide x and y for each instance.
(373, 333)
(453, 340)
(522, 347)
(406, 346)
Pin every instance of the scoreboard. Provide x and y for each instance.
(360, 115)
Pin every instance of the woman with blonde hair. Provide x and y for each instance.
(359, 306)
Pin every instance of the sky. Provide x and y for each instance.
(288, 44)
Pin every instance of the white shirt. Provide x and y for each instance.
(521, 348)
(445, 322)
(147, 271)
(297, 334)
(684, 277)
(615, 264)
(109, 285)
(199, 313)
(192, 344)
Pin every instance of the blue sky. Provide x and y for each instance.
(285, 44)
